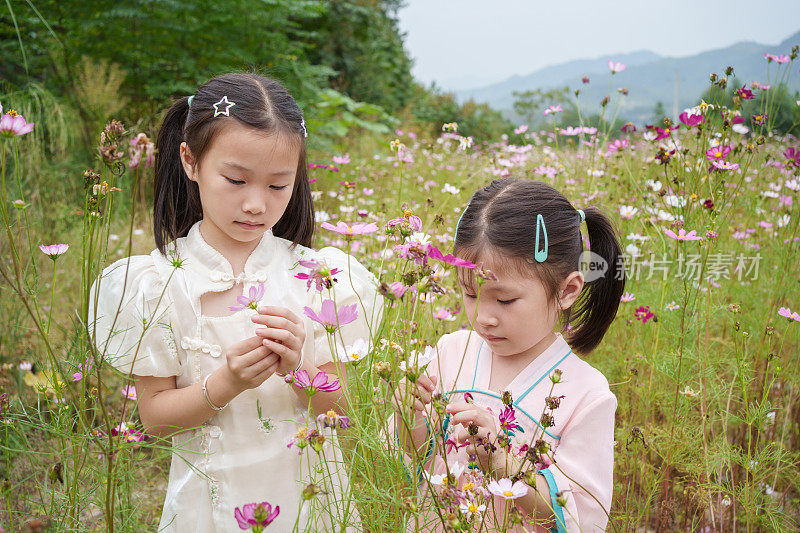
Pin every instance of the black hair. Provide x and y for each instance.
(501, 219)
(260, 103)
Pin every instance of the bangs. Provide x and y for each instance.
(494, 259)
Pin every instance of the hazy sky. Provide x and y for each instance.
(469, 43)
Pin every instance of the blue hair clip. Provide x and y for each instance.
(459, 223)
(582, 214)
(540, 255)
(189, 101)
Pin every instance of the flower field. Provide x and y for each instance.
(703, 357)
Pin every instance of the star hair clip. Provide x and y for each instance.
(226, 103)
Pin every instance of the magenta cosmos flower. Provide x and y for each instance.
(349, 230)
(450, 259)
(251, 300)
(54, 250)
(745, 93)
(787, 313)
(302, 380)
(793, 155)
(508, 490)
(691, 120)
(683, 236)
(615, 66)
(14, 125)
(256, 516)
(330, 318)
(508, 421)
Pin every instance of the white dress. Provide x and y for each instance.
(236, 457)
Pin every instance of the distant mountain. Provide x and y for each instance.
(650, 78)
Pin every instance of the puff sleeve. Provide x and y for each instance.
(129, 319)
(355, 285)
(586, 455)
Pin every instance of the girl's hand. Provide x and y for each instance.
(284, 335)
(464, 415)
(250, 363)
(418, 394)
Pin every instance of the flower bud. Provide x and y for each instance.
(555, 377)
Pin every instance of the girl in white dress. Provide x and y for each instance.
(232, 218)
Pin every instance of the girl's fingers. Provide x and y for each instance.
(254, 356)
(245, 346)
(457, 407)
(426, 382)
(262, 377)
(464, 417)
(274, 310)
(260, 366)
(284, 336)
(279, 349)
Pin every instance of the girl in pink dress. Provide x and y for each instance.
(514, 429)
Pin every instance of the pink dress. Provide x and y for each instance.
(581, 441)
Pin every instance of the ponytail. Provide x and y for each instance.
(593, 313)
(177, 199)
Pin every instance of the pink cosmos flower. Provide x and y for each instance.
(54, 250)
(627, 297)
(348, 231)
(552, 110)
(691, 120)
(341, 160)
(332, 419)
(141, 145)
(302, 380)
(508, 490)
(521, 129)
(787, 313)
(444, 314)
(129, 392)
(413, 221)
(330, 318)
(629, 127)
(618, 145)
(14, 125)
(718, 153)
(256, 516)
(683, 236)
(615, 66)
(320, 274)
(398, 289)
(254, 296)
(725, 165)
(782, 58)
(450, 259)
(745, 94)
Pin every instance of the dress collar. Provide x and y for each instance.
(530, 375)
(204, 259)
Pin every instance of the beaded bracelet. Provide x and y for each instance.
(208, 400)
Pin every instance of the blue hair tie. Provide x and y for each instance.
(189, 101)
(582, 214)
